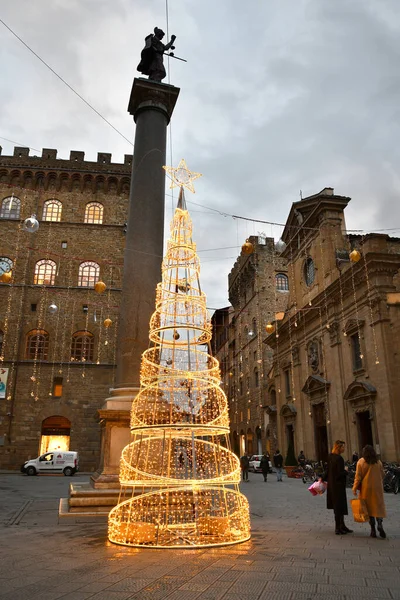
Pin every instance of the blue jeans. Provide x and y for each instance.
(279, 472)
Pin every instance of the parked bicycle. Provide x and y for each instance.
(391, 480)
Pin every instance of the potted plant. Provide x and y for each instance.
(290, 460)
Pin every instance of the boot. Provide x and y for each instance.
(338, 529)
(343, 527)
(372, 524)
(380, 528)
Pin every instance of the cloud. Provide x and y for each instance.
(275, 98)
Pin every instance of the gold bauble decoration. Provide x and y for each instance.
(6, 277)
(270, 328)
(176, 335)
(107, 323)
(247, 247)
(354, 256)
(100, 287)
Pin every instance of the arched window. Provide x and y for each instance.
(309, 271)
(52, 210)
(282, 282)
(10, 208)
(45, 272)
(89, 273)
(94, 213)
(82, 346)
(37, 344)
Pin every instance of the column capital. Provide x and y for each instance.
(147, 94)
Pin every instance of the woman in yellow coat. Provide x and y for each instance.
(368, 481)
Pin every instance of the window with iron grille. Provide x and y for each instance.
(10, 208)
(356, 350)
(52, 210)
(89, 273)
(94, 213)
(309, 271)
(37, 345)
(45, 272)
(282, 282)
(82, 346)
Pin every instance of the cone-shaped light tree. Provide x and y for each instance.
(179, 479)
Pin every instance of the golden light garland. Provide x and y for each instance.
(179, 479)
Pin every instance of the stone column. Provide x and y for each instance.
(151, 104)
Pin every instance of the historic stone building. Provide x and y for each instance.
(258, 288)
(336, 370)
(57, 334)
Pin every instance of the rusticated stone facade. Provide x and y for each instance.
(60, 364)
(336, 372)
(258, 288)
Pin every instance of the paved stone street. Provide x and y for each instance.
(293, 553)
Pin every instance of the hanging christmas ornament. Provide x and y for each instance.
(269, 328)
(53, 308)
(354, 256)
(6, 277)
(247, 247)
(107, 323)
(176, 335)
(280, 246)
(31, 224)
(100, 287)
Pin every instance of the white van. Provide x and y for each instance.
(53, 462)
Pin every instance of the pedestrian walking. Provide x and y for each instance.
(368, 482)
(336, 475)
(264, 465)
(244, 464)
(301, 459)
(278, 464)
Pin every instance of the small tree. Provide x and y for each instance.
(290, 460)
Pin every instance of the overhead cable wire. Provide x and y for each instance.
(65, 82)
(18, 144)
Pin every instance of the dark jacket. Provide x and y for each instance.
(264, 464)
(335, 475)
(278, 461)
(244, 462)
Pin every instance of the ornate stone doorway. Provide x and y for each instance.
(364, 428)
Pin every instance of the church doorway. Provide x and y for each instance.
(320, 432)
(55, 434)
(364, 428)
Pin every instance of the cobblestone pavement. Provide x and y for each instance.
(293, 553)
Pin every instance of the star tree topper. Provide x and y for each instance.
(181, 176)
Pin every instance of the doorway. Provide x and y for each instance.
(55, 434)
(290, 435)
(365, 429)
(320, 432)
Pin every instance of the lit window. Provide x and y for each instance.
(282, 282)
(37, 345)
(309, 271)
(94, 213)
(57, 387)
(52, 210)
(89, 273)
(10, 208)
(45, 272)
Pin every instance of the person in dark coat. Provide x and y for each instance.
(335, 475)
(278, 463)
(244, 465)
(264, 465)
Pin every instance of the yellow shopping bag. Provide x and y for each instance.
(360, 512)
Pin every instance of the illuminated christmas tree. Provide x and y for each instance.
(179, 479)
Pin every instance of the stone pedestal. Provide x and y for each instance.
(151, 104)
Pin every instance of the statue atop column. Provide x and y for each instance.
(152, 62)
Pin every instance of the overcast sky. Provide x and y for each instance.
(277, 96)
